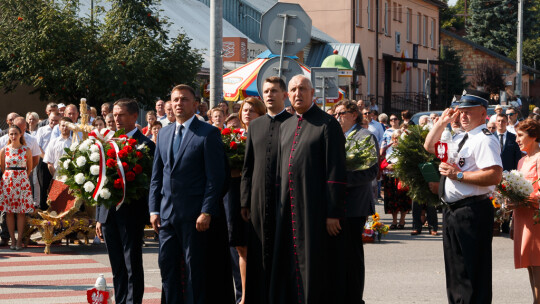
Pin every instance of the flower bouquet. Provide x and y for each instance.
(501, 213)
(361, 154)
(235, 146)
(106, 169)
(374, 229)
(514, 188)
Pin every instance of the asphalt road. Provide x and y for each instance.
(400, 269)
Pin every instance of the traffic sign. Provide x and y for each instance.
(290, 68)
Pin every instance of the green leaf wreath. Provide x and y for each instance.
(410, 153)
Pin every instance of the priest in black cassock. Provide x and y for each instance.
(359, 199)
(258, 196)
(308, 262)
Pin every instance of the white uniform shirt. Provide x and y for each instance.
(31, 142)
(479, 151)
(377, 129)
(43, 137)
(55, 150)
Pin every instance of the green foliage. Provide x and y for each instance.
(449, 16)
(125, 52)
(493, 24)
(410, 153)
(531, 52)
(451, 77)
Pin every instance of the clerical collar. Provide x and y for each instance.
(130, 133)
(300, 115)
(186, 123)
(277, 114)
(350, 130)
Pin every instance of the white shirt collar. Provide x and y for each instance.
(312, 103)
(130, 133)
(186, 123)
(276, 114)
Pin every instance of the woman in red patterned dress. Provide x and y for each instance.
(16, 194)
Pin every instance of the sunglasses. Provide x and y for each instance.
(510, 114)
(392, 119)
(341, 113)
(367, 113)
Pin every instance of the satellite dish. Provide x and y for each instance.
(297, 31)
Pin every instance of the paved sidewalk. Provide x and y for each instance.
(401, 269)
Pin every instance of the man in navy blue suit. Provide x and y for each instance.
(123, 228)
(185, 191)
(510, 152)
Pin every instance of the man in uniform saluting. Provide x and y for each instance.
(465, 189)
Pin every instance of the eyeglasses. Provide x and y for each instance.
(341, 113)
(366, 113)
(392, 119)
(510, 114)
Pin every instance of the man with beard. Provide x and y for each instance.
(258, 196)
(309, 248)
(359, 199)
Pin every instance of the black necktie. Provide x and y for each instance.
(443, 178)
(501, 141)
(177, 141)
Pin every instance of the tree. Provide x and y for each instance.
(126, 53)
(452, 80)
(493, 24)
(531, 52)
(449, 18)
(490, 77)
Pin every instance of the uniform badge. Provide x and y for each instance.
(461, 162)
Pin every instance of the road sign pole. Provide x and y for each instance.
(324, 93)
(285, 17)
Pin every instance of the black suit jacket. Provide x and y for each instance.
(136, 210)
(510, 154)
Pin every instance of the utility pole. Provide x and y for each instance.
(216, 46)
(377, 52)
(519, 61)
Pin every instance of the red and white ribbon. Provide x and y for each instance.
(107, 136)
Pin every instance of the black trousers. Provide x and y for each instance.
(356, 270)
(123, 237)
(44, 181)
(431, 215)
(467, 237)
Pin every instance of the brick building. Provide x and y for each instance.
(473, 54)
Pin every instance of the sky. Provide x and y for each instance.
(451, 2)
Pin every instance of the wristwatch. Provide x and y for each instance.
(460, 176)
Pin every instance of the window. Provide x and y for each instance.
(432, 33)
(399, 73)
(418, 28)
(386, 13)
(358, 16)
(409, 24)
(368, 77)
(369, 14)
(424, 31)
(400, 13)
(394, 8)
(398, 42)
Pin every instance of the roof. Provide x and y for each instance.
(437, 3)
(351, 51)
(264, 5)
(488, 51)
(190, 17)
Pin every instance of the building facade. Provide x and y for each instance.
(384, 28)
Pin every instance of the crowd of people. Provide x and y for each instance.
(287, 227)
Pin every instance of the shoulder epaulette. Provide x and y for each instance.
(486, 131)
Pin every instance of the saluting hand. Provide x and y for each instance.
(448, 116)
(332, 226)
(203, 222)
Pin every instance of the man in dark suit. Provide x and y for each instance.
(187, 182)
(510, 152)
(359, 199)
(123, 229)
